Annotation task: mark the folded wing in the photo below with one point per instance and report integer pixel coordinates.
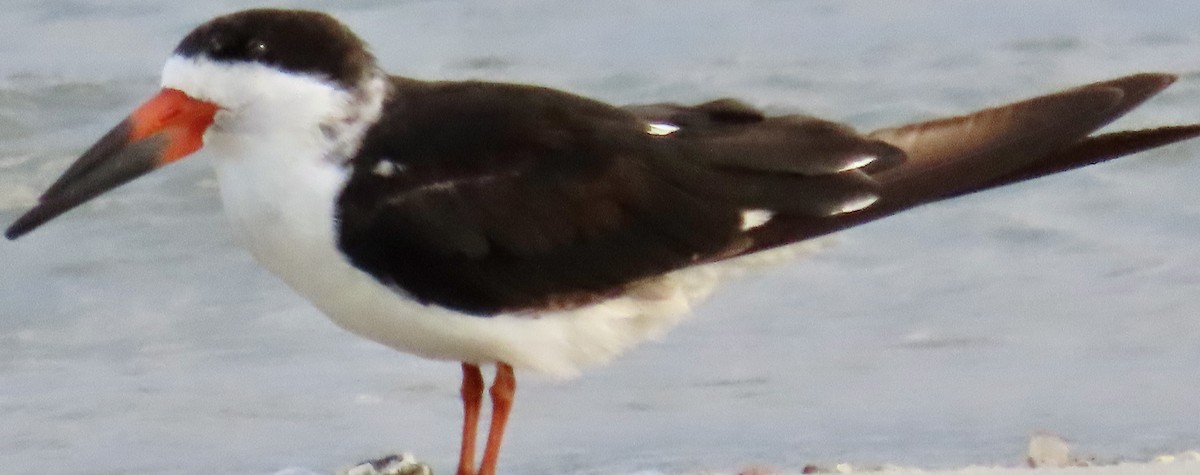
(488, 198)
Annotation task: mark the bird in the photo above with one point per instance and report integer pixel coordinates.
(530, 228)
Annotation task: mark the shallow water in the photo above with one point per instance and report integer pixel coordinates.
(136, 338)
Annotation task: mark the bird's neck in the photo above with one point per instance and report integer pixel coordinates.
(279, 185)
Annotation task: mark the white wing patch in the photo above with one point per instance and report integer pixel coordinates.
(859, 162)
(857, 204)
(753, 218)
(386, 168)
(661, 128)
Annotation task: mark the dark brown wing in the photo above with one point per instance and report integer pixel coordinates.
(487, 198)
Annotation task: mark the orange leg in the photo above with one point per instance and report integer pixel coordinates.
(502, 392)
(472, 396)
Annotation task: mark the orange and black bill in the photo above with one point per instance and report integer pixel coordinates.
(164, 129)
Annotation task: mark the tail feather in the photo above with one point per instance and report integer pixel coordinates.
(995, 147)
(950, 157)
(1093, 150)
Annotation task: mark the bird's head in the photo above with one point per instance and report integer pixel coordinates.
(253, 72)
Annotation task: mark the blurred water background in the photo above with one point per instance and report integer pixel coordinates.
(136, 338)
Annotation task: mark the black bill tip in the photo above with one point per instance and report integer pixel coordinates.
(122, 162)
(30, 221)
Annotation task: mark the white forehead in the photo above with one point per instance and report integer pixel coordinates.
(236, 85)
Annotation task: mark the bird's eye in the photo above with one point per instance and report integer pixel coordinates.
(257, 49)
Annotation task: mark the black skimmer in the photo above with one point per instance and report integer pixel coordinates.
(526, 227)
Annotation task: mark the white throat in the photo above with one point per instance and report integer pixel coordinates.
(280, 144)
